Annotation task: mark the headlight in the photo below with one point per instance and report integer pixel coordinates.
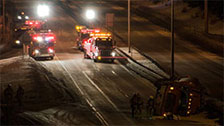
(39, 39)
(26, 17)
(17, 42)
(19, 17)
(36, 51)
(96, 53)
(113, 54)
(50, 50)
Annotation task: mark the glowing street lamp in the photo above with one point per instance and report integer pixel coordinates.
(90, 14)
(43, 10)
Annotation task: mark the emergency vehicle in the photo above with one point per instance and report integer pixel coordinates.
(35, 24)
(100, 47)
(84, 35)
(181, 97)
(42, 45)
(18, 37)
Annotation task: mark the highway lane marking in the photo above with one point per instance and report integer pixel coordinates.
(98, 114)
(108, 99)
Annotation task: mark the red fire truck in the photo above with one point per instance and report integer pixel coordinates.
(35, 24)
(100, 47)
(84, 35)
(42, 45)
(182, 97)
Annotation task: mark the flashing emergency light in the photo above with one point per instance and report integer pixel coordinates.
(101, 35)
(90, 30)
(39, 39)
(49, 38)
(79, 27)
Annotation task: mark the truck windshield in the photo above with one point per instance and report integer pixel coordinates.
(104, 43)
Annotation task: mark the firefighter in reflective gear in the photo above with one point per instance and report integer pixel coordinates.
(150, 107)
(8, 95)
(19, 95)
(139, 104)
(133, 103)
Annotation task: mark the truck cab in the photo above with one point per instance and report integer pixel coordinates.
(42, 45)
(100, 47)
(83, 36)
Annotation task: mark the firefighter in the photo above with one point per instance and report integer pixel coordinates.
(19, 95)
(8, 94)
(133, 103)
(8, 97)
(150, 107)
(139, 104)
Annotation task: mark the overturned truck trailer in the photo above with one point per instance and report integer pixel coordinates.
(180, 97)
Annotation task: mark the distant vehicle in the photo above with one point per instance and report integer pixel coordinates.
(181, 97)
(42, 45)
(83, 36)
(22, 17)
(16, 38)
(100, 47)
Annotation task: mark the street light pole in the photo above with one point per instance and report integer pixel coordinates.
(206, 15)
(3, 14)
(129, 26)
(172, 39)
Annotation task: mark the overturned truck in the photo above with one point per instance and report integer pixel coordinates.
(181, 97)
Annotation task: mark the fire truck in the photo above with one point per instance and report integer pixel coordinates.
(42, 45)
(35, 24)
(100, 47)
(84, 35)
(181, 97)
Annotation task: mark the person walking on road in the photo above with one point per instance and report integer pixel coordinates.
(133, 103)
(139, 104)
(150, 107)
(8, 98)
(8, 95)
(19, 95)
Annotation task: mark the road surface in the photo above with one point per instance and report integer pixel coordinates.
(106, 87)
